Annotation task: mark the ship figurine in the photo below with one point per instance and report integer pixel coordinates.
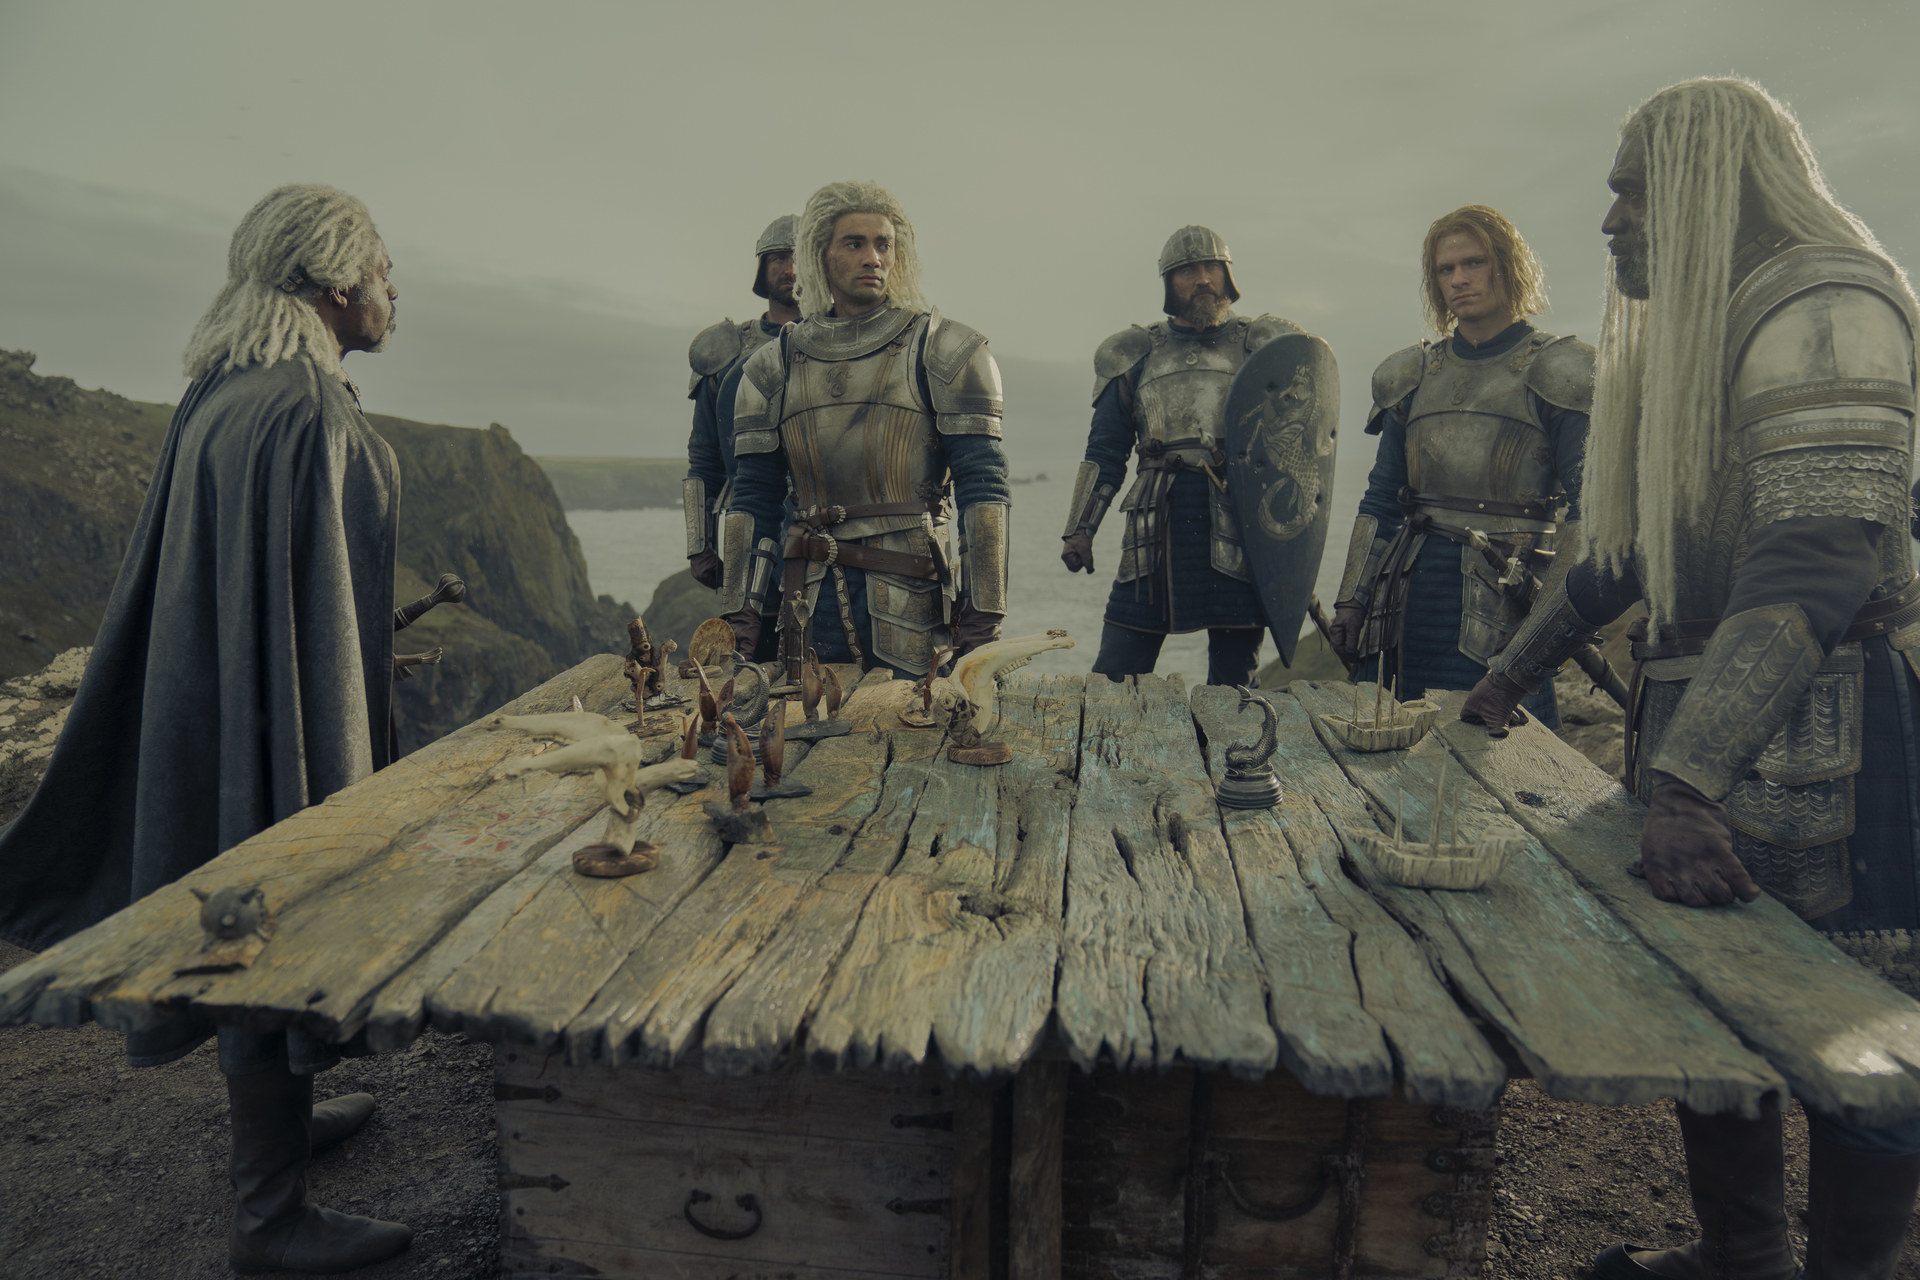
(1447, 860)
(1393, 726)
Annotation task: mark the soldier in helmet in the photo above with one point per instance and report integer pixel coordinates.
(1161, 390)
(1481, 431)
(878, 409)
(716, 356)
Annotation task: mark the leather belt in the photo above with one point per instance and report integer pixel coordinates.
(802, 546)
(1683, 639)
(1411, 501)
(822, 517)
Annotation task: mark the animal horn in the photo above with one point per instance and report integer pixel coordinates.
(830, 683)
(739, 763)
(773, 741)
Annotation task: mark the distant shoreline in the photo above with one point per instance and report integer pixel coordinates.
(615, 484)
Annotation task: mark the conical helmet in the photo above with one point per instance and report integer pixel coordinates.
(779, 237)
(1197, 244)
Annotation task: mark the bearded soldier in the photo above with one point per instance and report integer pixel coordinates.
(1752, 444)
(716, 356)
(243, 670)
(1160, 390)
(879, 409)
(1482, 431)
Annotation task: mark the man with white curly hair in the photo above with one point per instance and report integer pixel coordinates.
(1747, 474)
(242, 671)
(880, 410)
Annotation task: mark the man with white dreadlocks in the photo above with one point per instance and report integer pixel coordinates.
(1481, 432)
(877, 407)
(242, 672)
(716, 355)
(1160, 391)
(1747, 473)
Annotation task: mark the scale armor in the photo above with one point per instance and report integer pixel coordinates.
(1820, 422)
(1179, 416)
(1474, 434)
(860, 426)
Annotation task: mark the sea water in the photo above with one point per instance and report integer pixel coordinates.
(629, 552)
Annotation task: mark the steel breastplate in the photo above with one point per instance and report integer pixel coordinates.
(1180, 394)
(1472, 431)
(856, 429)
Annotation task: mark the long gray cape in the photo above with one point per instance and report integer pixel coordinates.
(244, 666)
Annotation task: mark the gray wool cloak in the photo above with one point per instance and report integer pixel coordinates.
(244, 666)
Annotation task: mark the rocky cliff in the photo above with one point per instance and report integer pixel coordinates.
(78, 463)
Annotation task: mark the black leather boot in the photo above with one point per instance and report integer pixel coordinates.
(274, 1228)
(1736, 1169)
(1858, 1207)
(337, 1119)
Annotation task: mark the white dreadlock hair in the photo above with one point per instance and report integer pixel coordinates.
(298, 242)
(816, 233)
(1662, 361)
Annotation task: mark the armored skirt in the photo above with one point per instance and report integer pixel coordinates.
(1428, 655)
(1186, 593)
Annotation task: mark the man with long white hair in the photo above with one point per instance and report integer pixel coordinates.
(242, 672)
(1747, 474)
(717, 353)
(1481, 432)
(879, 408)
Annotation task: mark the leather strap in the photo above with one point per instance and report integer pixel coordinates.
(1683, 639)
(1411, 501)
(803, 546)
(825, 517)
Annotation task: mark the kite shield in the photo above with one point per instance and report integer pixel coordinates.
(1281, 413)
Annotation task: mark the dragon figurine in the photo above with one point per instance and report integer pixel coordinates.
(966, 700)
(1250, 782)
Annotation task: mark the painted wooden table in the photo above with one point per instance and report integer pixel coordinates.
(1063, 1016)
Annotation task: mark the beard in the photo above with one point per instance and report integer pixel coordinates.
(1631, 275)
(380, 344)
(781, 294)
(1204, 309)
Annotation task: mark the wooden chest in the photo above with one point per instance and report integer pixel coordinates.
(1198, 1175)
(798, 1175)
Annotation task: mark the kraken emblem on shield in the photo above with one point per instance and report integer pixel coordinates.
(1283, 439)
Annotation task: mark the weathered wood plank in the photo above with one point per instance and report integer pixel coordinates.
(1156, 966)
(122, 968)
(1343, 978)
(655, 1004)
(940, 959)
(1595, 1016)
(1843, 1038)
(1034, 1219)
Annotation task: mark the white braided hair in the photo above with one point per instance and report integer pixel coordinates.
(1662, 360)
(298, 242)
(823, 210)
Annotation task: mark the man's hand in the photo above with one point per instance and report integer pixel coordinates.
(1494, 705)
(707, 569)
(1076, 552)
(746, 631)
(1344, 632)
(1686, 849)
(971, 629)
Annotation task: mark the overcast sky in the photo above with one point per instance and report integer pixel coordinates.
(569, 191)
